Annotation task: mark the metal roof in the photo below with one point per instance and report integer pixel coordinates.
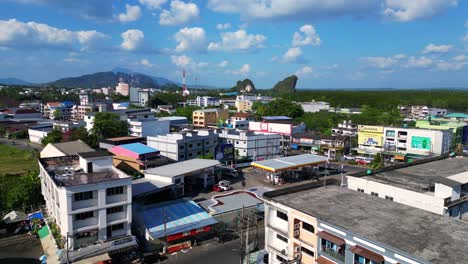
(182, 168)
(181, 216)
(143, 186)
(235, 201)
(279, 164)
(72, 147)
(138, 148)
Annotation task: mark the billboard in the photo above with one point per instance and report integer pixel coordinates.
(370, 139)
(421, 143)
(371, 129)
(224, 152)
(283, 129)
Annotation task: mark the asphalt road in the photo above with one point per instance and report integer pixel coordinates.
(21, 144)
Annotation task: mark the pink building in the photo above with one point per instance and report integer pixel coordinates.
(122, 88)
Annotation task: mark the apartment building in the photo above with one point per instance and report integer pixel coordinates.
(252, 145)
(240, 120)
(313, 223)
(122, 88)
(208, 117)
(346, 128)
(207, 101)
(440, 186)
(60, 110)
(124, 114)
(90, 201)
(244, 103)
(459, 129)
(314, 106)
(147, 125)
(423, 112)
(184, 145)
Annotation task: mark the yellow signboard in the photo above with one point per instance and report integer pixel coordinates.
(370, 139)
(372, 129)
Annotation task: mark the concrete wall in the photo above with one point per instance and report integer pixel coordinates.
(427, 202)
(51, 151)
(36, 136)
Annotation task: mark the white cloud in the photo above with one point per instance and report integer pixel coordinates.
(181, 61)
(460, 57)
(238, 40)
(451, 65)
(152, 4)
(202, 64)
(407, 10)
(356, 76)
(244, 70)
(190, 39)
(292, 55)
(132, 13)
(308, 37)
(432, 48)
(146, 63)
(304, 71)
(399, 56)
(299, 10)
(381, 62)
(223, 64)
(72, 60)
(179, 13)
(421, 62)
(14, 33)
(132, 39)
(223, 26)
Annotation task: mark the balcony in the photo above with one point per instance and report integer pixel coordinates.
(116, 216)
(84, 204)
(89, 222)
(334, 254)
(110, 199)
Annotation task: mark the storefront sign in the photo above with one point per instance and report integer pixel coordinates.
(421, 143)
(372, 129)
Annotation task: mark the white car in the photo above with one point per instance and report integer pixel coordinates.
(347, 157)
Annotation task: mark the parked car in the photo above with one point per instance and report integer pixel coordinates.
(364, 160)
(222, 186)
(227, 171)
(348, 157)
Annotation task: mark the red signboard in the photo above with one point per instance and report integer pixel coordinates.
(188, 233)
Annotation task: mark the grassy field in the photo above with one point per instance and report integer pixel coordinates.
(15, 161)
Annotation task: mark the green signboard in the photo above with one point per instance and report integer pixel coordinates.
(421, 143)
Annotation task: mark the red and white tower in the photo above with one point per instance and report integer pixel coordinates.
(185, 91)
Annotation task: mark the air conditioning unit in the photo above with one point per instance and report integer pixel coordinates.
(297, 226)
(296, 233)
(297, 249)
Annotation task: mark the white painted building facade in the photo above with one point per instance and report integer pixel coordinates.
(252, 145)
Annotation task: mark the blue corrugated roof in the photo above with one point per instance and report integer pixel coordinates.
(139, 148)
(181, 216)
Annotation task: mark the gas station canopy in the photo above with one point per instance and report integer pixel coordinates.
(287, 163)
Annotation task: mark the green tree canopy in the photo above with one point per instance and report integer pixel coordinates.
(186, 111)
(82, 134)
(108, 125)
(55, 136)
(279, 107)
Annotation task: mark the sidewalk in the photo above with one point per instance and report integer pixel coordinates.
(49, 246)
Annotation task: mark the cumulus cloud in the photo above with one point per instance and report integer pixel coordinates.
(190, 39)
(421, 62)
(181, 61)
(132, 13)
(404, 10)
(17, 34)
(384, 62)
(223, 26)
(238, 40)
(292, 55)
(133, 39)
(304, 71)
(146, 63)
(244, 70)
(451, 65)
(432, 48)
(179, 13)
(87, 9)
(223, 64)
(460, 57)
(152, 4)
(306, 36)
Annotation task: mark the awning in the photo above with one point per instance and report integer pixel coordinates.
(332, 238)
(358, 250)
(399, 157)
(322, 260)
(14, 216)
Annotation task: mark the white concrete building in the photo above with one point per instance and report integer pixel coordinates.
(143, 126)
(423, 142)
(439, 186)
(240, 121)
(252, 145)
(64, 149)
(125, 114)
(423, 112)
(313, 107)
(207, 101)
(122, 88)
(90, 201)
(244, 102)
(347, 128)
(37, 133)
(184, 145)
(143, 96)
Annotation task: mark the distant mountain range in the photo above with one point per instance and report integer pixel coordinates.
(104, 79)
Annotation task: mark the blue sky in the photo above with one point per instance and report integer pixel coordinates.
(328, 44)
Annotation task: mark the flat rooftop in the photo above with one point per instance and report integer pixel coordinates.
(182, 168)
(422, 234)
(66, 171)
(292, 162)
(422, 177)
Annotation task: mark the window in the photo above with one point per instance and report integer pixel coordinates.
(181, 156)
(117, 227)
(388, 198)
(190, 154)
(308, 227)
(279, 258)
(198, 144)
(114, 210)
(374, 194)
(199, 153)
(182, 147)
(84, 215)
(307, 251)
(237, 142)
(190, 145)
(360, 190)
(83, 196)
(282, 215)
(114, 190)
(282, 238)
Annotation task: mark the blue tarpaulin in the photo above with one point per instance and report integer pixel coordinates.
(36, 215)
(181, 216)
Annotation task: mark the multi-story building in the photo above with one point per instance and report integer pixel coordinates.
(320, 224)
(403, 141)
(66, 126)
(36, 105)
(143, 97)
(37, 133)
(440, 186)
(122, 88)
(333, 146)
(459, 129)
(347, 128)
(240, 120)
(124, 114)
(143, 126)
(313, 107)
(90, 201)
(185, 145)
(253, 145)
(244, 103)
(207, 101)
(423, 112)
(59, 110)
(209, 117)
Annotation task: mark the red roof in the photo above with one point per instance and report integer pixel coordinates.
(54, 104)
(241, 114)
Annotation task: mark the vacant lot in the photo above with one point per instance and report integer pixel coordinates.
(14, 161)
